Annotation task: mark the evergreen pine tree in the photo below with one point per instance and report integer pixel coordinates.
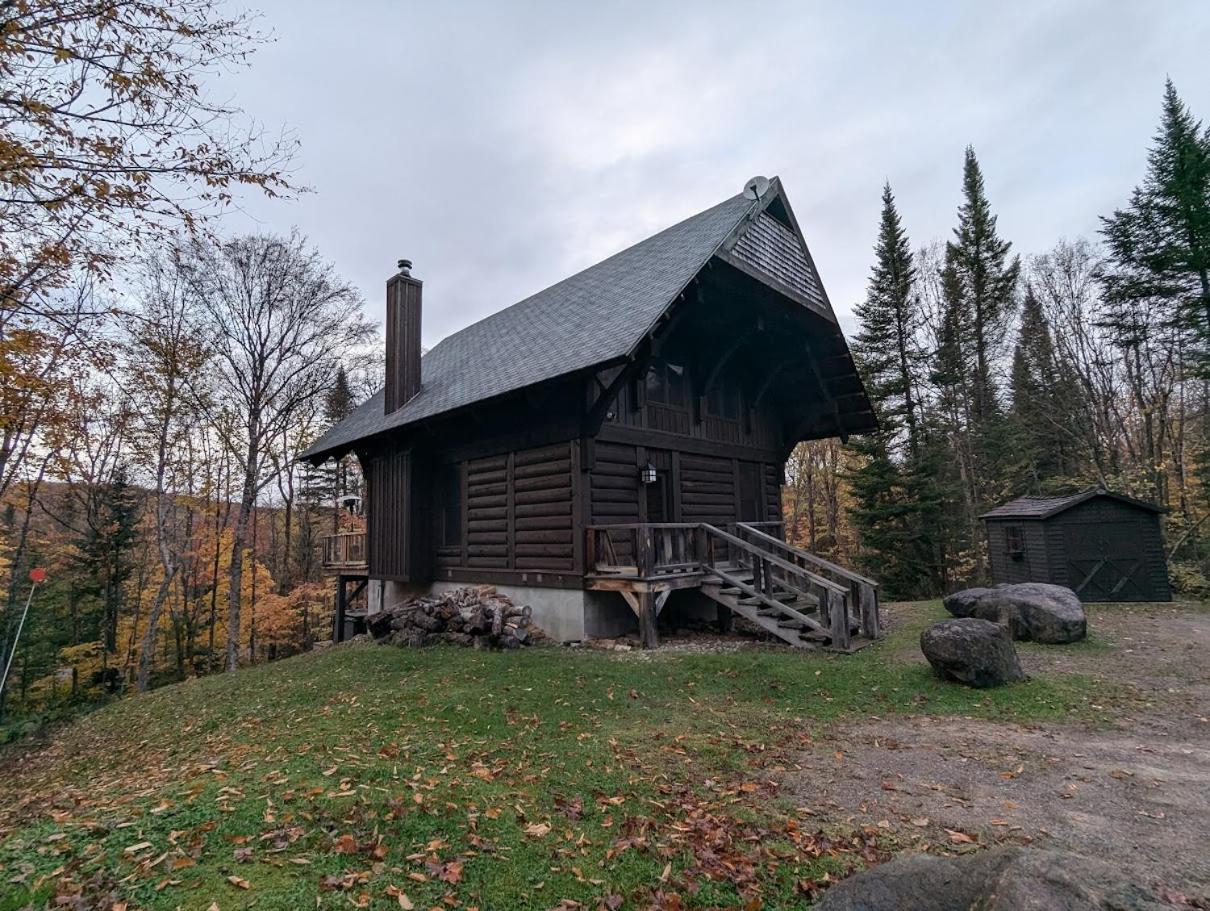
(888, 499)
(107, 549)
(1044, 406)
(981, 281)
(339, 403)
(1159, 244)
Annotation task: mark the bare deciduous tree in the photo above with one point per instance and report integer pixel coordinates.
(280, 320)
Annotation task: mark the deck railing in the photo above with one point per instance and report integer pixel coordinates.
(646, 550)
(345, 551)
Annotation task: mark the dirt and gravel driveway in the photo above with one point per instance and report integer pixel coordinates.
(1134, 790)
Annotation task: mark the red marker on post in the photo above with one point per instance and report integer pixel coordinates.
(37, 575)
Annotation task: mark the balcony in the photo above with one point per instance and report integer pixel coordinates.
(345, 553)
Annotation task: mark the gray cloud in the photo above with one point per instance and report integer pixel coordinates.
(504, 146)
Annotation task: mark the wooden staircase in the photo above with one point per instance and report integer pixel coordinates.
(783, 590)
(792, 594)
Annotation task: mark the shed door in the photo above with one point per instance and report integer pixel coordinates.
(1107, 561)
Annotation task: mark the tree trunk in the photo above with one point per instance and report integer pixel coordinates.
(239, 539)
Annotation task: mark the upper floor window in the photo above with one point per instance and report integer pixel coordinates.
(666, 384)
(722, 401)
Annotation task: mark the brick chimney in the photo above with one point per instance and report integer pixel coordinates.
(403, 337)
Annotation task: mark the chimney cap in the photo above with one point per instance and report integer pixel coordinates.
(405, 267)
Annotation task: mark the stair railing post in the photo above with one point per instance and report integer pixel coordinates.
(871, 626)
(839, 616)
(643, 550)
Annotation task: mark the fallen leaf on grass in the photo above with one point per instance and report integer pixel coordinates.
(239, 882)
(400, 896)
(960, 838)
(537, 829)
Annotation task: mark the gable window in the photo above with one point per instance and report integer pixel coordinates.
(722, 401)
(1014, 541)
(666, 384)
(449, 492)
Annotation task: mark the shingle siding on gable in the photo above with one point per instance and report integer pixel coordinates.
(774, 249)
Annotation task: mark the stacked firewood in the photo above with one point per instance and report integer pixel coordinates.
(476, 616)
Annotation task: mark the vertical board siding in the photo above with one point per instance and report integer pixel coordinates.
(387, 482)
(1064, 548)
(764, 431)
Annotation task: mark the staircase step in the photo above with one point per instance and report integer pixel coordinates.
(792, 624)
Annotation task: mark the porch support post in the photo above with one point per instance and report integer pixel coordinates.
(648, 635)
(338, 634)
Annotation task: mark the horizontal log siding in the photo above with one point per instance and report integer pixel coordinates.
(542, 484)
(614, 488)
(708, 490)
(485, 531)
(517, 512)
(772, 492)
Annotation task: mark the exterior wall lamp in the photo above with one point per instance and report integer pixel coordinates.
(647, 474)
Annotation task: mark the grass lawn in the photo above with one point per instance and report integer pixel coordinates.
(442, 778)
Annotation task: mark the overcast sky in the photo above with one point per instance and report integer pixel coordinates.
(503, 146)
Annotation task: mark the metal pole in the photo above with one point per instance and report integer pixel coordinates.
(17, 638)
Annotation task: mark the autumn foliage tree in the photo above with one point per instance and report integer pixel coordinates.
(109, 137)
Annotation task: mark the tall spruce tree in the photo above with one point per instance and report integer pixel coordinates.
(890, 491)
(1044, 406)
(982, 281)
(978, 282)
(1160, 243)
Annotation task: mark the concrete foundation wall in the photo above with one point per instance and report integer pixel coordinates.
(565, 615)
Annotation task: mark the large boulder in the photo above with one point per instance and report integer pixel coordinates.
(1002, 879)
(973, 651)
(1031, 610)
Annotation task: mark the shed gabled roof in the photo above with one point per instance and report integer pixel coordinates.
(1044, 507)
(594, 317)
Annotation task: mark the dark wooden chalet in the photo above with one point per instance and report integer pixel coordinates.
(618, 437)
(1101, 545)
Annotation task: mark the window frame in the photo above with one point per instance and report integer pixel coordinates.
(1014, 541)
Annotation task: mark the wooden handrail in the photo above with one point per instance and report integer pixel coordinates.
(807, 555)
(785, 565)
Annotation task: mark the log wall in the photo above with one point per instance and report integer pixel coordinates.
(518, 512)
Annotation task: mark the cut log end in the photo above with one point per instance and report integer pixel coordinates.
(475, 617)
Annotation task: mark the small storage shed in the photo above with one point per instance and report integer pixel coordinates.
(1104, 546)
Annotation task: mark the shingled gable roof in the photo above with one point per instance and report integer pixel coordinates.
(594, 317)
(1045, 507)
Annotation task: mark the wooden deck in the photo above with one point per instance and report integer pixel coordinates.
(748, 568)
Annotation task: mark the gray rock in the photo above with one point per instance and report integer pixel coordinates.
(1002, 879)
(973, 651)
(1031, 610)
